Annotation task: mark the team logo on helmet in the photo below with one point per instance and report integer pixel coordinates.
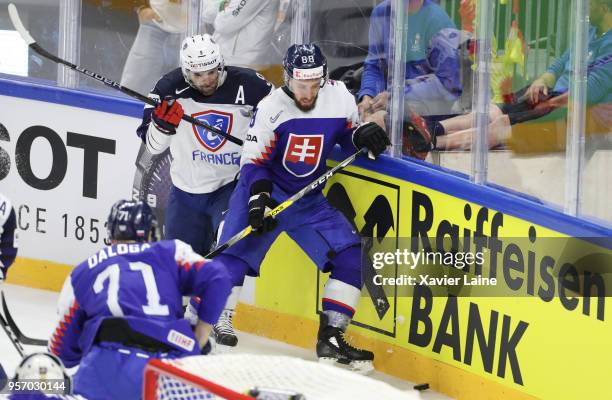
(218, 119)
(303, 154)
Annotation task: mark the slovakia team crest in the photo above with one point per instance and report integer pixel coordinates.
(218, 119)
(303, 154)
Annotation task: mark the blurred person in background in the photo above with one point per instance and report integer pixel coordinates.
(425, 20)
(243, 29)
(544, 102)
(155, 48)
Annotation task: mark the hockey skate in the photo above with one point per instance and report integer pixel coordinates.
(223, 332)
(334, 349)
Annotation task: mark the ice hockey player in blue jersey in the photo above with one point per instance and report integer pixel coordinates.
(204, 164)
(291, 136)
(123, 305)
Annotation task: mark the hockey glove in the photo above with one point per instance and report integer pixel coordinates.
(258, 205)
(372, 136)
(167, 115)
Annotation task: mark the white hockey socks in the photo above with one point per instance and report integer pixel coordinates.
(339, 302)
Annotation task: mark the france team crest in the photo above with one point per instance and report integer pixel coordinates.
(218, 119)
(302, 154)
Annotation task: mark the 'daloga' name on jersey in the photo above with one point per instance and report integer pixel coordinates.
(232, 158)
(111, 251)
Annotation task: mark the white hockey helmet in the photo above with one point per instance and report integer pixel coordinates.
(41, 366)
(200, 53)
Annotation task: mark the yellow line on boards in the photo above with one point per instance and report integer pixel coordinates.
(40, 274)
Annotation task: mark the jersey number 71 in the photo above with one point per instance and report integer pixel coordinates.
(111, 273)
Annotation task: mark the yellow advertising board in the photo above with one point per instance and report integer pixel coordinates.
(543, 331)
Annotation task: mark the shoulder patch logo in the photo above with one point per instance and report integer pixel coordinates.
(303, 154)
(218, 119)
(275, 118)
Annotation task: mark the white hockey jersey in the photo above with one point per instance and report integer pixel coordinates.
(203, 161)
(289, 146)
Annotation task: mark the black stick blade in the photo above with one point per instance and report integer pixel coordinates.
(13, 326)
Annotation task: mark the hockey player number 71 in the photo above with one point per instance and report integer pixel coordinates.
(111, 273)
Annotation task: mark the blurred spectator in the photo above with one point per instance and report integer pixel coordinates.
(548, 94)
(282, 13)
(425, 20)
(243, 29)
(602, 114)
(155, 48)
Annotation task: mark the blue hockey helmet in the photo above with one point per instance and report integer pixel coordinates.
(305, 61)
(131, 221)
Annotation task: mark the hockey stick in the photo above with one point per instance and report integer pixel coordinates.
(25, 35)
(11, 335)
(21, 338)
(285, 204)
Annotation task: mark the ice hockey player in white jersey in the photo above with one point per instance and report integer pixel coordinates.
(292, 134)
(204, 164)
(8, 235)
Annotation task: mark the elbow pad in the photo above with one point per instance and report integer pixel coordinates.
(157, 141)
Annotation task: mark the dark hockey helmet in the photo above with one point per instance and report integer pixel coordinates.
(131, 221)
(305, 61)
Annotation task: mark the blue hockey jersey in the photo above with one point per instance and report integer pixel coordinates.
(290, 146)
(144, 283)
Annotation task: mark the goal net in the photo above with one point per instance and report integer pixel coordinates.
(251, 376)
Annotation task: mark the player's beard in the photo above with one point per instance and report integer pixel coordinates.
(306, 107)
(207, 90)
